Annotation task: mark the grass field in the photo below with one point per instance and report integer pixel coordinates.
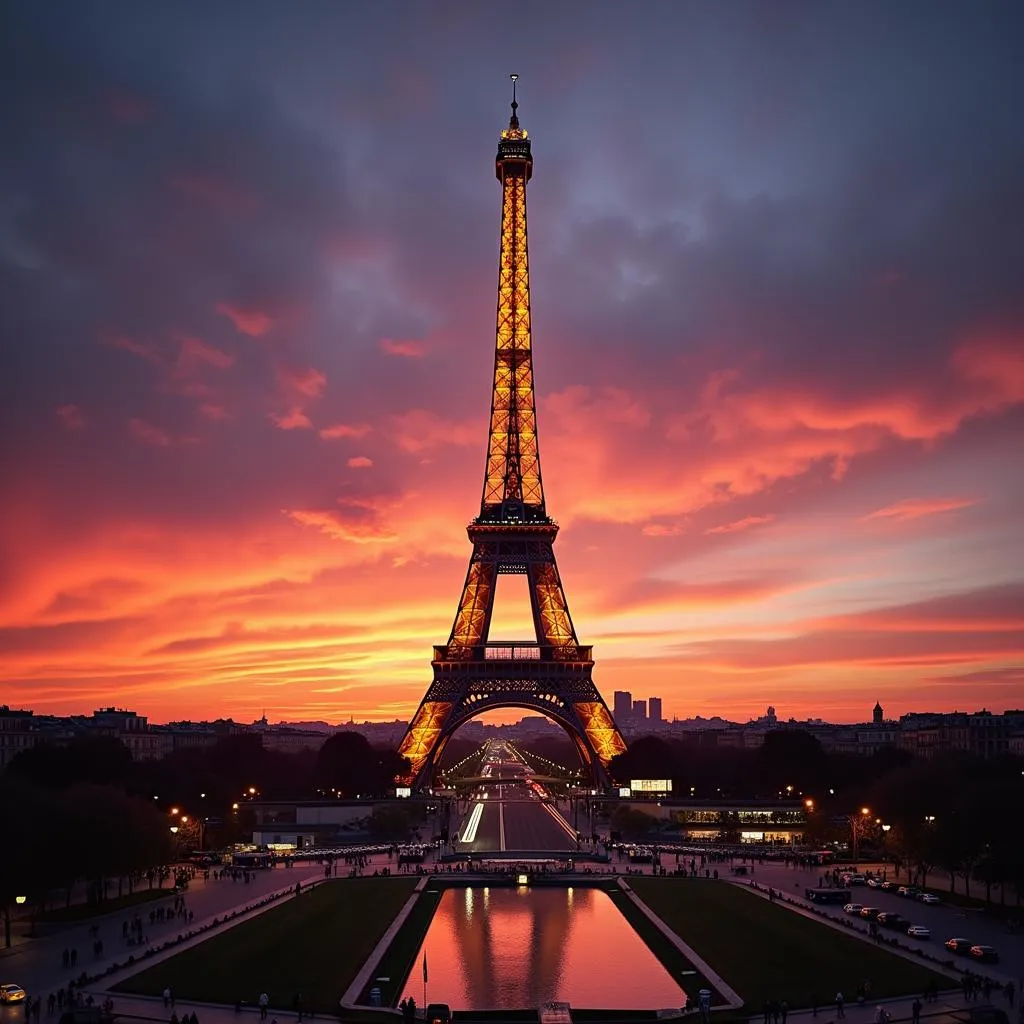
(765, 951)
(314, 945)
(397, 961)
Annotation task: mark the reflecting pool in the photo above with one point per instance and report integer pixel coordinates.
(500, 948)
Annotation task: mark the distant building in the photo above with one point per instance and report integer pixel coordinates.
(639, 711)
(877, 715)
(622, 707)
(17, 733)
(654, 710)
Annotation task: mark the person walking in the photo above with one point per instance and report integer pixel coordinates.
(915, 1011)
(167, 996)
(264, 1001)
(840, 1010)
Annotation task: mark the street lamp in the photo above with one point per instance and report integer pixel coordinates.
(20, 899)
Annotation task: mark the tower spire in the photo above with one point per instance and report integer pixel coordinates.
(513, 121)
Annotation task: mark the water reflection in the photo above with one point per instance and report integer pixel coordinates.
(518, 948)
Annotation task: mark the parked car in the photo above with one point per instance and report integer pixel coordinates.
(908, 891)
(887, 886)
(870, 913)
(853, 908)
(918, 931)
(961, 946)
(10, 993)
(929, 897)
(874, 883)
(986, 954)
(439, 1013)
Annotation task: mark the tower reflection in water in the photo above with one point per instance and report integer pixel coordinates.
(498, 948)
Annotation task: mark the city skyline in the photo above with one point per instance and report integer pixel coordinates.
(779, 342)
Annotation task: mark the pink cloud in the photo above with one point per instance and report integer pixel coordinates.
(741, 524)
(410, 348)
(421, 429)
(662, 529)
(194, 352)
(339, 430)
(72, 417)
(294, 419)
(137, 348)
(359, 462)
(309, 382)
(338, 528)
(148, 433)
(126, 108)
(247, 321)
(916, 508)
(213, 192)
(214, 412)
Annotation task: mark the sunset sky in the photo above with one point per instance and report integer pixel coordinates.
(248, 265)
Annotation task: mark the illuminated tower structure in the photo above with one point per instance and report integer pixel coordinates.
(551, 674)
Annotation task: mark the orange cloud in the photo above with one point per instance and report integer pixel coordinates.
(339, 430)
(359, 462)
(294, 419)
(916, 508)
(247, 321)
(71, 416)
(741, 524)
(410, 349)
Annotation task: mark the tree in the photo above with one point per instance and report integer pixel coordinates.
(348, 765)
(789, 758)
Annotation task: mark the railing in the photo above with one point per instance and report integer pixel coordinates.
(512, 650)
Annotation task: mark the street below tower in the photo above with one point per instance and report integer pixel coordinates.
(513, 812)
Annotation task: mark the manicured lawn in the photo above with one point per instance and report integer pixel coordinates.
(765, 951)
(314, 945)
(397, 961)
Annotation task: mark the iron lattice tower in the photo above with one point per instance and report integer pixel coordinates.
(513, 534)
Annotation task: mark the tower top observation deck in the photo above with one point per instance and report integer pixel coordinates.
(514, 156)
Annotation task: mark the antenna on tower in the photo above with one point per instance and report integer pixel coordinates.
(513, 121)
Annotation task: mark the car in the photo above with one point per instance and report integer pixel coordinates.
(961, 946)
(891, 920)
(929, 897)
(887, 886)
(10, 993)
(870, 912)
(918, 931)
(986, 954)
(908, 891)
(438, 1013)
(874, 883)
(853, 908)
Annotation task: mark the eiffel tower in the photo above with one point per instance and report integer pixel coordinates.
(513, 534)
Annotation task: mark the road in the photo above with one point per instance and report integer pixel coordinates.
(512, 814)
(944, 920)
